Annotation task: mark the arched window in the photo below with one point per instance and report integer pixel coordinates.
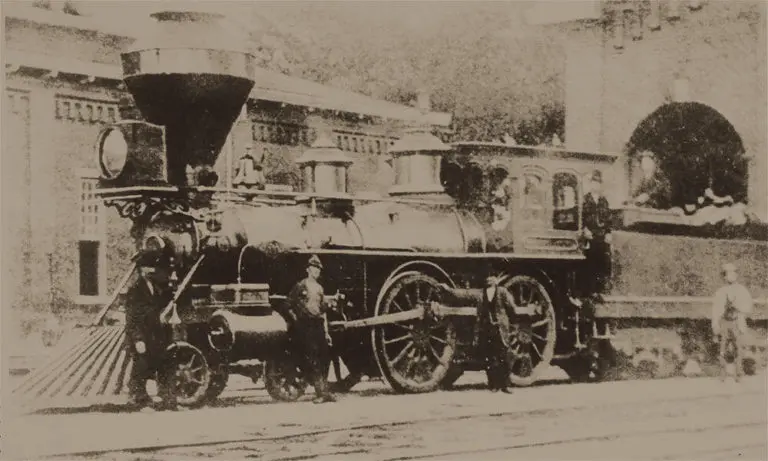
(565, 201)
(533, 191)
(534, 197)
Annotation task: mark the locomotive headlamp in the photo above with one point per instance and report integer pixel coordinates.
(113, 153)
(132, 153)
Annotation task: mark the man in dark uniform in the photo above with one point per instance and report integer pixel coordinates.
(146, 338)
(495, 308)
(308, 334)
(597, 232)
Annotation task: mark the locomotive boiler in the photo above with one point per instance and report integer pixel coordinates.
(453, 214)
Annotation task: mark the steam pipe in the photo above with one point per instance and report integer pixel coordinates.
(240, 263)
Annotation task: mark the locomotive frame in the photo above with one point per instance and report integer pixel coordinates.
(439, 337)
(433, 347)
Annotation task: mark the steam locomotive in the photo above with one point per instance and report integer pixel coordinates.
(453, 214)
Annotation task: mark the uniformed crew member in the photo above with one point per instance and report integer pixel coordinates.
(147, 338)
(495, 311)
(731, 305)
(654, 189)
(597, 231)
(308, 333)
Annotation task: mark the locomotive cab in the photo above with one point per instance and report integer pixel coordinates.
(528, 198)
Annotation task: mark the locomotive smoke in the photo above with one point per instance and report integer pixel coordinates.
(191, 76)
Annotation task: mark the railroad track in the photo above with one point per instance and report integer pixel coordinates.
(614, 436)
(528, 443)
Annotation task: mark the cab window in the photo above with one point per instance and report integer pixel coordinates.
(565, 201)
(534, 198)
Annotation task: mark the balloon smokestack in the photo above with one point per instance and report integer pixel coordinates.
(191, 76)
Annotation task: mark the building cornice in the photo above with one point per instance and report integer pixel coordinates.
(270, 85)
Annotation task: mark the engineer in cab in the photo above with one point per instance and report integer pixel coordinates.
(597, 233)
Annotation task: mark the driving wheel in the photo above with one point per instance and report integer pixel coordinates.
(413, 355)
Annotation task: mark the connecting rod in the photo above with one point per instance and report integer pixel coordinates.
(435, 310)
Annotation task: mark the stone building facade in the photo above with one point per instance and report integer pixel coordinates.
(62, 249)
(625, 59)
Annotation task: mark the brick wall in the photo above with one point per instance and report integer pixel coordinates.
(15, 198)
(720, 50)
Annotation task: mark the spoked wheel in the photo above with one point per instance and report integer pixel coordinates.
(283, 380)
(531, 341)
(188, 374)
(413, 355)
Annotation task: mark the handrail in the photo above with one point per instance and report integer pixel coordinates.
(424, 254)
(297, 196)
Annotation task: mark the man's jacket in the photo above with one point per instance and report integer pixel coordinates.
(597, 215)
(306, 300)
(500, 310)
(142, 315)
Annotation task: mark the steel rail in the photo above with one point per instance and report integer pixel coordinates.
(568, 441)
(360, 427)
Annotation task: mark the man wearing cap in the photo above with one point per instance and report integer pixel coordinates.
(654, 189)
(146, 337)
(731, 305)
(495, 312)
(307, 307)
(597, 232)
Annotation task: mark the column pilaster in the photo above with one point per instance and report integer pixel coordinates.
(43, 199)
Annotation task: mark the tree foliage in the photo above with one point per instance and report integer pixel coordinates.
(475, 59)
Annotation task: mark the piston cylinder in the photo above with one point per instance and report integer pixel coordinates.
(243, 337)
